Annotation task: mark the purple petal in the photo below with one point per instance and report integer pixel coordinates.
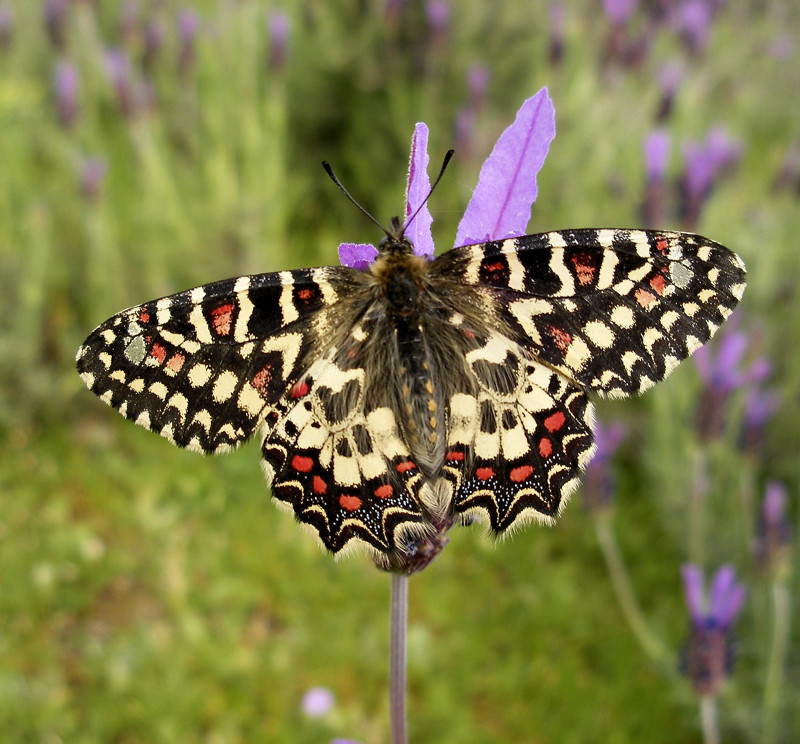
(774, 505)
(317, 702)
(418, 231)
(723, 583)
(357, 255)
(656, 153)
(608, 439)
(500, 206)
(693, 589)
(619, 11)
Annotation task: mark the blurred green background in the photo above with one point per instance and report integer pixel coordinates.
(150, 595)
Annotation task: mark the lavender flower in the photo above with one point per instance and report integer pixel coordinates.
(704, 163)
(720, 369)
(317, 702)
(500, 206)
(556, 17)
(656, 155)
(120, 74)
(691, 20)
(6, 25)
(278, 26)
(188, 26)
(155, 33)
(774, 533)
(600, 480)
(709, 655)
(92, 173)
(669, 78)
(759, 406)
(129, 24)
(619, 12)
(65, 87)
(55, 21)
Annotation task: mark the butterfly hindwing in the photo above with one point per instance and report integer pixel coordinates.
(334, 453)
(203, 366)
(615, 310)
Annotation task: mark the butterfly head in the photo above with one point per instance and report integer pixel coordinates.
(395, 241)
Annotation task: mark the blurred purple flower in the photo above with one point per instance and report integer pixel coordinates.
(759, 406)
(6, 25)
(478, 76)
(129, 25)
(708, 655)
(465, 132)
(120, 74)
(556, 19)
(656, 154)
(344, 741)
(438, 14)
(65, 87)
(691, 20)
(703, 165)
(55, 21)
(774, 531)
(619, 11)
(188, 24)
(92, 173)
(155, 33)
(600, 481)
(788, 177)
(669, 78)
(720, 368)
(279, 27)
(317, 702)
(500, 206)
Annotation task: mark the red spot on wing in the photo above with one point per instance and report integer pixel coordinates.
(262, 379)
(661, 244)
(454, 456)
(299, 389)
(484, 473)
(302, 464)
(657, 283)
(319, 485)
(560, 337)
(349, 502)
(221, 319)
(521, 473)
(176, 362)
(645, 298)
(384, 491)
(405, 466)
(545, 447)
(158, 352)
(144, 316)
(305, 294)
(469, 333)
(585, 268)
(554, 421)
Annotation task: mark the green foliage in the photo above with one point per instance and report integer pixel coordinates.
(151, 596)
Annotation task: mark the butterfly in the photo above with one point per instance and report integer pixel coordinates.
(398, 400)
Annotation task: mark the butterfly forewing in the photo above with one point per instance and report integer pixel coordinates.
(202, 367)
(615, 310)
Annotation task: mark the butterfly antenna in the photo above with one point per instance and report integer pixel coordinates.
(448, 155)
(327, 166)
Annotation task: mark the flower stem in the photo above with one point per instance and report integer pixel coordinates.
(397, 658)
(624, 591)
(781, 609)
(708, 718)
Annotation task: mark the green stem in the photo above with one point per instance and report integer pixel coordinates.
(397, 658)
(624, 590)
(781, 611)
(708, 718)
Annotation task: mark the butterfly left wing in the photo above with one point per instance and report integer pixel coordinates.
(202, 367)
